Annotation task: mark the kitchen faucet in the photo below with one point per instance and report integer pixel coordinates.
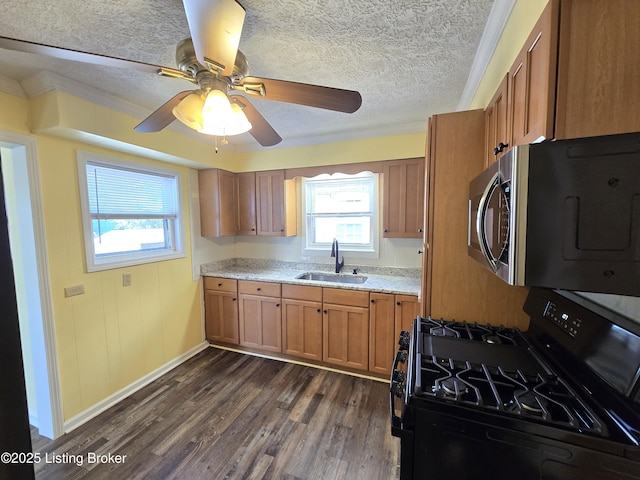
(334, 253)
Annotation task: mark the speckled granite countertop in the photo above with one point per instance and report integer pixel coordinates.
(402, 281)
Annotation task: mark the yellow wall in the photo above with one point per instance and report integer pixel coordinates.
(112, 335)
(523, 17)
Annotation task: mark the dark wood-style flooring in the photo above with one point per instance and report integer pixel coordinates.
(225, 415)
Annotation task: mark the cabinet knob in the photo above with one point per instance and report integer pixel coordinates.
(277, 304)
(253, 229)
(398, 303)
(258, 289)
(373, 301)
(233, 299)
(219, 284)
(500, 148)
(318, 310)
(420, 230)
(325, 311)
(420, 252)
(386, 230)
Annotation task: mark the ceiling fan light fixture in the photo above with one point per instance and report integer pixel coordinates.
(221, 118)
(189, 110)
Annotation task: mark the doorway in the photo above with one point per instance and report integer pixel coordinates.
(29, 257)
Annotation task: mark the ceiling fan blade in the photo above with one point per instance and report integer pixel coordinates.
(216, 26)
(80, 56)
(260, 128)
(347, 101)
(162, 117)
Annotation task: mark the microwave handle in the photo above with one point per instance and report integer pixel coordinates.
(481, 229)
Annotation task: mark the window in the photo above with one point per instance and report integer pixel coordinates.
(130, 212)
(343, 207)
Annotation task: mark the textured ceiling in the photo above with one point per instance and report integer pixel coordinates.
(409, 59)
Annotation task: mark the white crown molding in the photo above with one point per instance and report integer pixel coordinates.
(9, 85)
(498, 17)
(45, 81)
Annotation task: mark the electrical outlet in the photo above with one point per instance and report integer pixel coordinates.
(73, 291)
(126, 279)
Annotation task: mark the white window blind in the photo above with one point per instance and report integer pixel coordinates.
(121, 193)
(131, 212)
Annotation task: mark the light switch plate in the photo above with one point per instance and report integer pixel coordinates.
(126, 279)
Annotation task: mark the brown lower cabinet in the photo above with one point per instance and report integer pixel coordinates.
(260, 315)
(389, 314)
(221, 310)
(346, 328)
(351, 329)
(302, 321)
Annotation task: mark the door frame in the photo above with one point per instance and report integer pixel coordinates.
(49, 401)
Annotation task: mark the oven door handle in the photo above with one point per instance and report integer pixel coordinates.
(481, 226)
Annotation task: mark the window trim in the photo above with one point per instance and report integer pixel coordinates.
(358, 252)
(94, 264)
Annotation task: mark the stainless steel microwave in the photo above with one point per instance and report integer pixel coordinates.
(561, 214)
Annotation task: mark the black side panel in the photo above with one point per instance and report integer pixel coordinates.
(583, 215)
(14, 419)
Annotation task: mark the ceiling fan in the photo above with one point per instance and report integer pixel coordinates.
(210, 59)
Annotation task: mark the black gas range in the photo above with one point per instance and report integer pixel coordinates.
(560, 401)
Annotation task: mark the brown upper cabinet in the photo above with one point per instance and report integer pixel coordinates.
(576, 75)
(246, 203)
(496, 119)
(252, 203)
(403, 198)
(217, 203)
(275, 204)
(532, 81)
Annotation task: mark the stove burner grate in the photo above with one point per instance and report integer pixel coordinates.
(541, 397)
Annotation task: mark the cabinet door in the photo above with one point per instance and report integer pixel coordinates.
(221, 317)
(598, 68)
(270, 196)
(496, 119)
(246, 203)
(381, 332)
(532, 81)
(346, 336)
(403, 199)
(406, 311)
(260, 323)
(217, 193)
(302, 328)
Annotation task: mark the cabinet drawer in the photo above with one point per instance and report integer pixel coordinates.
(342, 296)
(264, 289)
(302, 292)
(220, 284)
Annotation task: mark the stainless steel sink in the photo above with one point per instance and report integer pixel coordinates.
(332, 277)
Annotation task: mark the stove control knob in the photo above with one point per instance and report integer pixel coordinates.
(397, 390)
(404, 340)
(402, 357)
(399, 376)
